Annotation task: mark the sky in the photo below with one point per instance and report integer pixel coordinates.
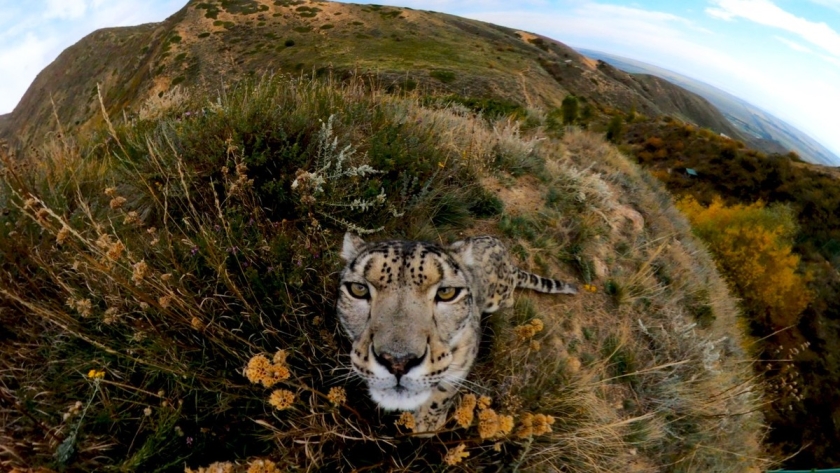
(780, 55)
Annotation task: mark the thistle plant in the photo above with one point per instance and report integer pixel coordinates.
(67, 448)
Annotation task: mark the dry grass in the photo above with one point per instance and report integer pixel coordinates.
(178, 250)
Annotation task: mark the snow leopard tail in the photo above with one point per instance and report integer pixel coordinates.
(538, 283)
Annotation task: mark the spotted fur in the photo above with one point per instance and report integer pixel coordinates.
(413, 343)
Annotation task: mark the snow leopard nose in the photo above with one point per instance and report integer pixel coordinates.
(398, 365)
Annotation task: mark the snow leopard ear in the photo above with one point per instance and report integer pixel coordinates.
(463, 250)
(352, 246)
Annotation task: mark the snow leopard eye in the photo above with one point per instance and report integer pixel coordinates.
(446, 294)
(359, 291)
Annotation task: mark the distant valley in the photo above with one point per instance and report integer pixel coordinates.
(760, 129)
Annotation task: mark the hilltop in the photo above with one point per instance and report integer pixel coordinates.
(210, 43)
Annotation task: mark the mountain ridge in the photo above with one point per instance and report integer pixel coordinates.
(211, 43)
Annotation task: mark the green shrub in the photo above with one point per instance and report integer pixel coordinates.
(391, 14)
(444, 76)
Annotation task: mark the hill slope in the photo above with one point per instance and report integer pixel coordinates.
(208, 43)
(143, 271)
(762, 130)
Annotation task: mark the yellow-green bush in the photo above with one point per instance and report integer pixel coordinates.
(752, 245)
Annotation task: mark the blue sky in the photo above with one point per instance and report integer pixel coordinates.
(782, 55)
(34, 32)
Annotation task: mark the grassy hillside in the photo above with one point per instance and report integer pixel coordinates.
(144, 266)
(801, 344)
(212, 42)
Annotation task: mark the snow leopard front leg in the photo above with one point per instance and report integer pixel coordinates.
(432, 415)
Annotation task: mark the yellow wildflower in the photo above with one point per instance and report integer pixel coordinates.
(63, 235)
(534, 424)
(491, 424)
(505, 425)
(407, 420)
(131, 218)
(280, 357)
(115, 251)
(524, 332)
(456, 455)
(263, 466)
(464, 413)
(104, 241)
(196, 323)
(337, 395)
(110, 315)
(488, 423)
(165, 277)
(261, 370)
(257, 369)
(542, 424)
(526, 426)
(96, 374)
(165, 301)
(281, 399)
(278, 373)
(141, 270)
(111, 191)
(84, 307)
(117, 202)
(217, 467)
(42, 214)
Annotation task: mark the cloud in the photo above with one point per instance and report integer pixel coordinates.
(660, 38)
(833, 4)
(720, 14)
(19, 64)
(766, 13)
(31, 38)
(68, 9)
(794, 45)
(831, 59)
